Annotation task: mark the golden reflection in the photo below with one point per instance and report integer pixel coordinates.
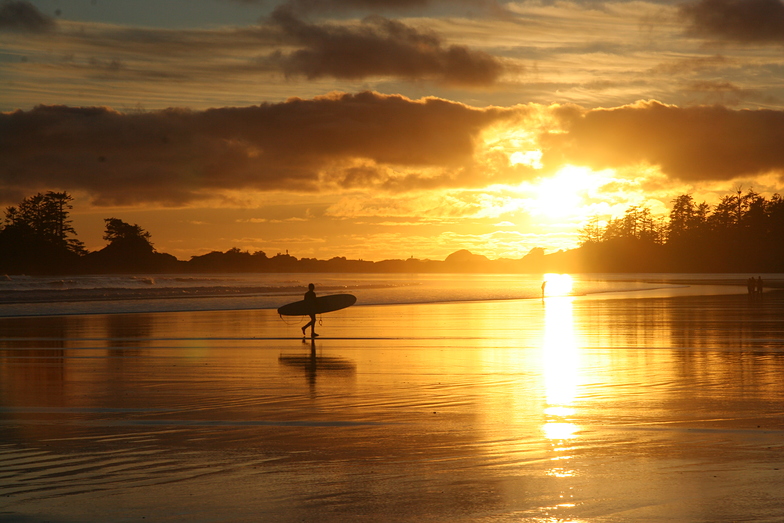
(559, 411)
(561, 357)
(559, 431)
(561, 367)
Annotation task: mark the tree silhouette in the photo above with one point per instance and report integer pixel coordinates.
(129, 250)
(46, 216)
(36, 236)
(122, 235)
(591, 232)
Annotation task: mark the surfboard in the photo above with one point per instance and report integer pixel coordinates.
(332, 302)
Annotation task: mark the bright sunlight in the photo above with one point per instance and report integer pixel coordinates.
(557, 284)
(563, 194)
(561, 365)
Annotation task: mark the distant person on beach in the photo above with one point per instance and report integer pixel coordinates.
(751, 284)
(310, 298)
(760, 285)
(544, 284)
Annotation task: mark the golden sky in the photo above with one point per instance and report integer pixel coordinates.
(380, 129)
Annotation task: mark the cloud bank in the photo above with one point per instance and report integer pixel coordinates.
(364, 141)
(175, 156)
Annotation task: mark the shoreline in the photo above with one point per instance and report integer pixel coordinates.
(248, 292)
(666, 294)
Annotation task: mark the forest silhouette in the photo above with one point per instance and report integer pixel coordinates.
(742, 233)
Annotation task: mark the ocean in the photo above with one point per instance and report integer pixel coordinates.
(40, 296)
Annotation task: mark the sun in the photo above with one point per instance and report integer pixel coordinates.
(563, 195)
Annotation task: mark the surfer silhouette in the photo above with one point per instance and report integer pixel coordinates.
(310, 299)
(313, 305)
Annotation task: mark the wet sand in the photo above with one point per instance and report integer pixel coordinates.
(595, 410)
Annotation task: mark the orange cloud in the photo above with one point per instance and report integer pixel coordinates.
(691, 143)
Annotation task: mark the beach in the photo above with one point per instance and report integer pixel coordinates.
(563, 409)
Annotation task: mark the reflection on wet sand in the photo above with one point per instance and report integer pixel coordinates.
(561, 353)
(559, 409)
(313, 364)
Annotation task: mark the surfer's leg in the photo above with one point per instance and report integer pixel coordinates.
(310, 324)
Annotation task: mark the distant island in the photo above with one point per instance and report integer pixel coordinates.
(742, 233)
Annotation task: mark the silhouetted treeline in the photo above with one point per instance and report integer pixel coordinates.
(742, 233)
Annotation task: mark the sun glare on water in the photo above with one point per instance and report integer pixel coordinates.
(557, 284)
(561, 363)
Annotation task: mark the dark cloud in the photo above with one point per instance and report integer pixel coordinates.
(376, 6)
(379, 47)
(176, 155)
(692, 143)
(746, 21)
(331, 5)
(20, 15)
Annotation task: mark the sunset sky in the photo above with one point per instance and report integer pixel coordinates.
(381, 129)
